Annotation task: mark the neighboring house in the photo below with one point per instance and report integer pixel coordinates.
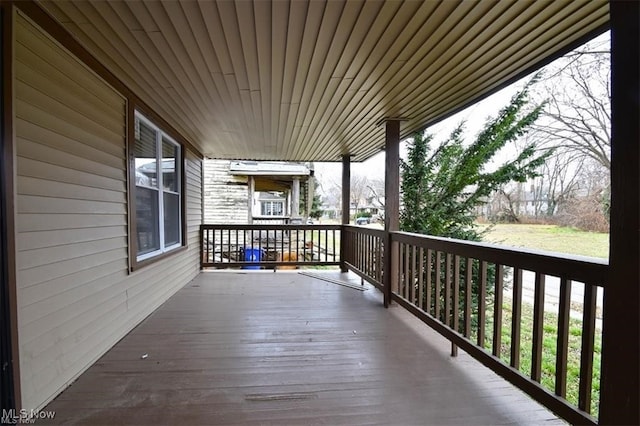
(248, 191)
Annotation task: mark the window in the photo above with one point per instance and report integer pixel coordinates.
(272, 208)
(158, 198)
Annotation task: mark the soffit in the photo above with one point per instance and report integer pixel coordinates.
(309, 80)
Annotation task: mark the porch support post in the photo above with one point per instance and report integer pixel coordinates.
(620, 372)
(391, 207)
(10, 377)
(251, 183)
(295, 198)
(346, 206)
(311, 187)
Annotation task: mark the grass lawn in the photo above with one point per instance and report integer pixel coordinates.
(551, 238)
(549, 350)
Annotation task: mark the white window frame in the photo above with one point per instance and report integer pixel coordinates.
(263, 204)
(160, 135)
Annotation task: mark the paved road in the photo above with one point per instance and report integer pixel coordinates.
(552, 295)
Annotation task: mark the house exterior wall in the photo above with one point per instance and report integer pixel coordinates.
(225, 195)
(76, 296)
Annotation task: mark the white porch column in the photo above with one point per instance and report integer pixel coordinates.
(295, 198)
(251, 183)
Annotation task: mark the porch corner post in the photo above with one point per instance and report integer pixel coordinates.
(619, 385)
(346, 207)
(391, 207)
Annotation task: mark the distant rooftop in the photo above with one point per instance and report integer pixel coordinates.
(268, 168)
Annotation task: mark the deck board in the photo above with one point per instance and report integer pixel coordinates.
(286, 349)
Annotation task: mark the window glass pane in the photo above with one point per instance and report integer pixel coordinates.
(148, 232)
(171, 219)
(277, 208)
(144, 150)
(169, 173)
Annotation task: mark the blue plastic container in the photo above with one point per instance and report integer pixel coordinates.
(252, 255)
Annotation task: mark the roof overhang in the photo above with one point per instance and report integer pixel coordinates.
(308, 80)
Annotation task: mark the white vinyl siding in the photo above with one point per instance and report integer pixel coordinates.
(76, 298)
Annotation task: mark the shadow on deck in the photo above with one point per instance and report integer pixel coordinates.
(283, 348)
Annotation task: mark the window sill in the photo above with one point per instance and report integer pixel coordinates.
(136, 265)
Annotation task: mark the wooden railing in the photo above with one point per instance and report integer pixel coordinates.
(364, 252)
(258, 246)
(510, 309)
(462, 290)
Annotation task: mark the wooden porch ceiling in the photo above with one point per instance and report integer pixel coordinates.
(308, 80)
(285, 349)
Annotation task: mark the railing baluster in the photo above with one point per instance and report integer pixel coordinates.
(412, 292)
(437, 285)
(447, 289)
(586, 350)
(562, 347)
(516, 316)
(407, 256)
(468, 292)
(482, 303)
(427, 290)
(497, 310)
(538, 328)
(456, 301)
(421, 278)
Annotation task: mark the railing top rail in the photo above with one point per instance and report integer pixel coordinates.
(267, 226)
(364, 230)
(579, 268)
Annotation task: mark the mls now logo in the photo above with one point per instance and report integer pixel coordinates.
(17, 417)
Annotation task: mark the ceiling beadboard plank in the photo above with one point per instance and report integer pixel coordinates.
(298, 12)
(531, 40)
(247, 20)
(474, 52)
(279, 33)
(233, 107)
(174, 52)
(356, 109)
(442, 23)
(313, 22)
(264, 34)
(404, 18)
(148, 76)
(218, 92)
(309, 80)
(231, 27)
(104, 48)
(321, 54)
(325, 88)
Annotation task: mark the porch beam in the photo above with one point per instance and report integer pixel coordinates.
(391, 206)
(620, 372)
(346, 206)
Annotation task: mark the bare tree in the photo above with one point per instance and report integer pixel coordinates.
(578, 112)
(359, 189)
(559, 180)
(376, 191)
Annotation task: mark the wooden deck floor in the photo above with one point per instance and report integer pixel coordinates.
(283, 348)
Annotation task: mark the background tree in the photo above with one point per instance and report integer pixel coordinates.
(441, 187)
(359, 190)
(577, 124)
